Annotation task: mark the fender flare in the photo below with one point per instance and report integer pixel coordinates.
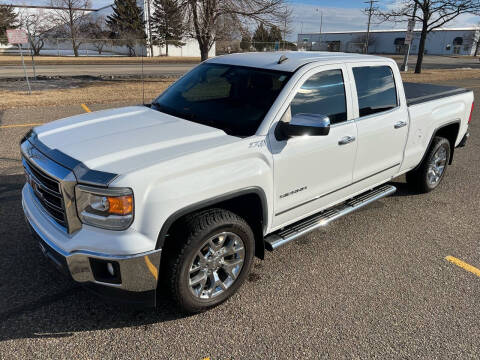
(210, 202)
(431, 140)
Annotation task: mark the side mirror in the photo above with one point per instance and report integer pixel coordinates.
(303, 124)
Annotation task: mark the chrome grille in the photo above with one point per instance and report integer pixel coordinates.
(47, 190)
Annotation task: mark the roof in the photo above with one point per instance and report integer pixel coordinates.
(472, 28)
(295, 59)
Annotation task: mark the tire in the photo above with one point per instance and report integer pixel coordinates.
(221, 235)
(431, 171)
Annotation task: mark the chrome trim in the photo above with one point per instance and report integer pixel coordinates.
(400, 124)
(283, 237)
(138, 272)
(346, 140)
(65, 178)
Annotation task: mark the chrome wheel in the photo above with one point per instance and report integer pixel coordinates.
(216, 266)
(437, 166)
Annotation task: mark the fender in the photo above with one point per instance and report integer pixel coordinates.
(431, 139)
(209, 203)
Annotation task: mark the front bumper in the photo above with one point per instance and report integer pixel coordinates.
(134, 278)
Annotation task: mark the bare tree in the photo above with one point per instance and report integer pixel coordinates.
(37, 26)
(71, 19)
(205, 14)
(285, 22)
(432, 14)
(97, 31)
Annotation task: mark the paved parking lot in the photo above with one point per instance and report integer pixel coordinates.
(373, 284)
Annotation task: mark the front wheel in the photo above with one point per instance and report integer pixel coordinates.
(431, 171)
(212, 259)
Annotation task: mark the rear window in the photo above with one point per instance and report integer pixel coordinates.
(375, 89)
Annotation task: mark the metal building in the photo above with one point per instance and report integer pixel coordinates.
(444, 41)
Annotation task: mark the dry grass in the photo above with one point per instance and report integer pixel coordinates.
(98, 60)
(441, 75)
(119, 91)
(97, 93)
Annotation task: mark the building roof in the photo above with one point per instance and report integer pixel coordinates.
(295, 59)
(472, 28)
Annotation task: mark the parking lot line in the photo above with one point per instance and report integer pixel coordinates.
(85, 107)
(463, 265)
(18, 125)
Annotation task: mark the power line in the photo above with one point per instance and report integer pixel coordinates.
(48, 7)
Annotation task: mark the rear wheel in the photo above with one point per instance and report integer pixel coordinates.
(432, 169)
(212, 259)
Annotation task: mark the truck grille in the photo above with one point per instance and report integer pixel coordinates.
(47, 190)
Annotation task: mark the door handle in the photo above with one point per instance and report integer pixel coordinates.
(346, 140)
(400, 124)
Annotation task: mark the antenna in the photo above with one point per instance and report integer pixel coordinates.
(282, 59)
(143, 80)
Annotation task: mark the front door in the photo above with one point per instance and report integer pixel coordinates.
(309, 170)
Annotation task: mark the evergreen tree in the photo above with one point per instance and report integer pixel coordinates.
(245, 43)
(260, 38)
(127, 24)
(8, 19)
(274, 34)
(168, 23)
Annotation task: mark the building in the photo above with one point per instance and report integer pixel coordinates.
(454, 41)
(62, 47)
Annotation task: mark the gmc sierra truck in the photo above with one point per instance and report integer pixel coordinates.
(244, 153)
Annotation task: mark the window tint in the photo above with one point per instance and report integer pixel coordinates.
(232, 98)
(323, 93)
(375, 89)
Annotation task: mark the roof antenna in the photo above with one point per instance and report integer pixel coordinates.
(282, 59)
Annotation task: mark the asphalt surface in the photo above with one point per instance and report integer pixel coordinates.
(373, 284)
(430, 62)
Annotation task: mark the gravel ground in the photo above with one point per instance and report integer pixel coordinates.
(374, 284)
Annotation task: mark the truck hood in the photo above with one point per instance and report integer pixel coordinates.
(125, 139)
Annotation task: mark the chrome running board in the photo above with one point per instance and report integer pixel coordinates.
(291, 232)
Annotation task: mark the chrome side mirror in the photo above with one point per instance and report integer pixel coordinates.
(303, 124)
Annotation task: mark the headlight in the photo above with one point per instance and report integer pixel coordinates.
(105, 208)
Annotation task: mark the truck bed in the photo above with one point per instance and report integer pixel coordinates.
(417, 93)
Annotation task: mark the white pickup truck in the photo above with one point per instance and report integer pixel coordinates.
(245, 152)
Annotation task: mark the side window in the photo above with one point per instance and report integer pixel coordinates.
(323, 93)
(375, 89)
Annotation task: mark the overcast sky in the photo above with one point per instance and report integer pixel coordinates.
(338, 15)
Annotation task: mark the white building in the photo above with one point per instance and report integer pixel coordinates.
(63, 46)
(453, 41)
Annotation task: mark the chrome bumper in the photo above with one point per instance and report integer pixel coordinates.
(136, 273)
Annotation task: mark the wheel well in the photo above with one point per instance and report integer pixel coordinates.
(249, 206)
(449, 132)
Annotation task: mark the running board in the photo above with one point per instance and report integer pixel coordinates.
(323, 218)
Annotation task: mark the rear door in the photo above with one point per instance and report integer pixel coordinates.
(382, 122)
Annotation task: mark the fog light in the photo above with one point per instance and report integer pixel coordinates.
(110, 269)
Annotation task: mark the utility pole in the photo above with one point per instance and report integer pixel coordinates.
(321, 25)
(404, 66)
(370, 12)
(149, 28)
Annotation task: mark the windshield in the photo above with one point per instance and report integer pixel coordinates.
(232, 98)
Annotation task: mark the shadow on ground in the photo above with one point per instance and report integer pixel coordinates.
(29, 283)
